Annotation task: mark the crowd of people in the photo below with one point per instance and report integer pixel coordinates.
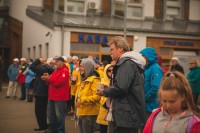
(131, 94)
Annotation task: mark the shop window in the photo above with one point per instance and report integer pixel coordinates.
(85, 47)
(173, 9)
(166, 51)
(80, 56)
(105, 49)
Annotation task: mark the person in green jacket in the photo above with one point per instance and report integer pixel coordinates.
(194, 78)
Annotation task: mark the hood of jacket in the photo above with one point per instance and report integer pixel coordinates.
(89, 67)
(150, 54)
(136, 57)
(106, 80)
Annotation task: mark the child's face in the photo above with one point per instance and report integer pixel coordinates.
(172, 101)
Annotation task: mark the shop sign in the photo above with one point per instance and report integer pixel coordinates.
(93, 39)
(175, 43)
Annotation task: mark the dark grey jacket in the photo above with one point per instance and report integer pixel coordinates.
(127, 93)
(40, 86)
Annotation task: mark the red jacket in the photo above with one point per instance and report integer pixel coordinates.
(59, 85)
(193, 123)
(21, 77)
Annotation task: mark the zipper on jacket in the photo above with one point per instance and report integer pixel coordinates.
(167, 124)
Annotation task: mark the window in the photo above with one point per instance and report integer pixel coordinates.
(40, 50)
(85, 47)
(77, 7)
(166, 51)
(34, 52)
(61, 5)
(135, 9)
(29, 52)
(135, 1)
(47, 50)
(172, 9)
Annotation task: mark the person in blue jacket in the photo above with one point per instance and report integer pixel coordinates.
(30, 78)
(12, 74)
(153, 75)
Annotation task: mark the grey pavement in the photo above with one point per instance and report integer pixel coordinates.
(18, 116)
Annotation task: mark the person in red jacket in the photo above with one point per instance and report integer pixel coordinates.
(58, 94)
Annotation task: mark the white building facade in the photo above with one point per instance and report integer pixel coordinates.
(40, 40)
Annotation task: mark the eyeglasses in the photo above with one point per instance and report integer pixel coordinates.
(109, 70)
(191, 63)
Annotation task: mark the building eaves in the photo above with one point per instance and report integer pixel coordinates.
(51, 19)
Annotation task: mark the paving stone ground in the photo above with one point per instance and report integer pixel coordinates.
(18, 116)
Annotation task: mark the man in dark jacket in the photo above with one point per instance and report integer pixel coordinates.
(176, 66)
(127, 91)
(41, 92)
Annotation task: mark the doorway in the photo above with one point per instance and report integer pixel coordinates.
(5, 54)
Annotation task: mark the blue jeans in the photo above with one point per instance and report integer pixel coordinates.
(57, 111)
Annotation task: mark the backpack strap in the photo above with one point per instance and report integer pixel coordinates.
(193, 124)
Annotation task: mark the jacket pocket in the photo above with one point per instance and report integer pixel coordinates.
(124, 116)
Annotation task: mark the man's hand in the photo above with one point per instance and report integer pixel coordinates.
(45, 76)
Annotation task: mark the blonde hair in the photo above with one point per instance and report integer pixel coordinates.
(174, 80)
(196, 62)
(120, 42)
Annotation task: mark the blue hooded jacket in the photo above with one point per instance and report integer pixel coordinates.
(153, 76)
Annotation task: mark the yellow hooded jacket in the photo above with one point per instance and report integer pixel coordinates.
(86, 93)
(74, 87)
(102, 111)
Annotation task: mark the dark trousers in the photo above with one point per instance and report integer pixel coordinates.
(41, 111)
(103, 128)
(114, 129)
(86, 124)
(68, 106)
(73, 102)
(23, 91)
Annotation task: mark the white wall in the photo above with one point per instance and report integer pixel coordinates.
(139, 42)
(55, 44)
(34, 33)
(18, 7)
(194, 13)
(67, 43)
(149, 8)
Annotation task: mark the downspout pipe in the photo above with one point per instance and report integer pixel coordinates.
(62, 39)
